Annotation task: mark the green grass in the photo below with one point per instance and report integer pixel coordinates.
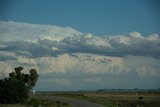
(95, 99)
(11, 105)
(105, 99)
(117, 99)
(39, 103)
(47, 103)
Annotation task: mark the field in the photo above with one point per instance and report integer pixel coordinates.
(35, 102)
(105, 99)
(117, 99)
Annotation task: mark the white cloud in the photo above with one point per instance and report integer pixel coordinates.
(154, 37)
(5, 55)
(11, 31)
(135, 35)
(5, 69)
(92, 40)
(72, 41)
(25, 60)
(65, 51)
(60, 64)
(142, 65)
(81, 63)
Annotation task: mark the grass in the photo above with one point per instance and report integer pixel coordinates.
(117, 99)
(46, 103)
(131, 99)
(105, 99)
(80, 96)
(34, 102)
(12, 105)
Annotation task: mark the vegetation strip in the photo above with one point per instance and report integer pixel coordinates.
(116, 99)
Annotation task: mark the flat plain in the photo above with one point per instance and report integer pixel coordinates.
(93, 99)
(115, 99)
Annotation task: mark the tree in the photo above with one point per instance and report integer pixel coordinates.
(16, 87)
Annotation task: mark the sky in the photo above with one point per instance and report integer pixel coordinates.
(100, 17)
(82, 44)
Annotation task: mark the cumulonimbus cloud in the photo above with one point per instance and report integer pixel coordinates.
(45, 40)
(60, 50)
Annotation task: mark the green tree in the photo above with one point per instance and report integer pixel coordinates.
(16, 87)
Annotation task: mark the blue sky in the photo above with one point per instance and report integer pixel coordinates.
(100, 17)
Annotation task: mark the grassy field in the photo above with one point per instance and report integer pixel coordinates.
(39, 103)
(108, 99)
(117, 99)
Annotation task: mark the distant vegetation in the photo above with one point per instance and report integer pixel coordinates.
(16, 88)
(136, 90)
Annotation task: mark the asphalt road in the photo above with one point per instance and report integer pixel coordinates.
(73, 102)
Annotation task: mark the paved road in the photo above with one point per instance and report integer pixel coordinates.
(73, 102)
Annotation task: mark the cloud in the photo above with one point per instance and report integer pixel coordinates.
(65, 52)
(143, 65)
(37, 40)
(58, 49)
(119, 46)
(11, 31)
(136, 44)
(81, 64)
(90, 64)
(5, 55)
(24, 60)
(5, 68)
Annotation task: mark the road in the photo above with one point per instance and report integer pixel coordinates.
(73, 102)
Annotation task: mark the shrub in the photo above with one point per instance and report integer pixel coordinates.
(15, 89)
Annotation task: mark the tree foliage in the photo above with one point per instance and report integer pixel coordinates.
(16, 87)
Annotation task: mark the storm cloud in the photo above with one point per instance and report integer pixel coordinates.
(64, 51)
(35, 40)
